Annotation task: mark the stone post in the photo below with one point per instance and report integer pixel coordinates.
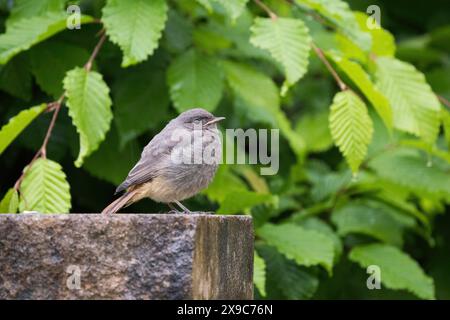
(126, 256)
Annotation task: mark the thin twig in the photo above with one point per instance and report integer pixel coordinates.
(88, 65)
(444, 101)
(269, 12)
(54, 107)
(333, 72)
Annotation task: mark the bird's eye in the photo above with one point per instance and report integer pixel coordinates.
(197, 121)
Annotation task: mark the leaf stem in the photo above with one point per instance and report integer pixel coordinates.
(88, 65)
(269, 12)
(333, 72)
(444, 101)
(54, 107)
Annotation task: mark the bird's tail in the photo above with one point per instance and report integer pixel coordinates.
(120, 202)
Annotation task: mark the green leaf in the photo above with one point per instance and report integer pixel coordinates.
(398, 270)
(361, 79)
(45, 188)
(135, 26)
(195, 80)
(371, 221)
(313, 128)
(415, 107)
(414, 173)
(328, 184)
(351, 127)
(285, 279)
(16, 125)
(234, 8)
(320, 226)
(15, 78)
(264, 106)
(89, 107)
(30, 8)
(383, 42)
(21, 35)
(259, 277)
(245, 81)
(242, 201)
(338, 13)
(10, 202)
(225, 182)
(62, 57)
(306, 247)
(141, 102)
(288, 42)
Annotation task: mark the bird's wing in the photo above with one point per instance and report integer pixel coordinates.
(152, 160)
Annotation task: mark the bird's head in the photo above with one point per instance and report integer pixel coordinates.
(198, 118)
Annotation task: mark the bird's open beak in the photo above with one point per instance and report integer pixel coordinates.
(215, 120)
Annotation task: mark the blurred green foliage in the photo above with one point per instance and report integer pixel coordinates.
(364, 173)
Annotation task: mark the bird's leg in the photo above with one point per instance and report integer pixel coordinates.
(173, 208)
(183, 207)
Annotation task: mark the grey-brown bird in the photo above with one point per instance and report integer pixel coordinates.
(170, 169)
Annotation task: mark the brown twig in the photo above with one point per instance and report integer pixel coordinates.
(88, 65)
(444, 101)
(54, 107)
(333, 72)
(269, 12)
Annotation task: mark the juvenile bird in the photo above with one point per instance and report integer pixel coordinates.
(176, 164)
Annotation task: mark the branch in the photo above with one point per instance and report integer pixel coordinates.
(54, 107)
(269, 12)
(333, 72)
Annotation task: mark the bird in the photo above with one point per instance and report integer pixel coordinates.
(169, 169)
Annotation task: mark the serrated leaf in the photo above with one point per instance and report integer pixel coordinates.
(414, 173)
(136, 26)
(89, 107)
(320, 226)
(361, 79)
(285, 279)
(17, 124)
(62, 57)
(10, 202)
(306, 247)
(351, 127)
(242, 201)
(45, 188)
(21, 35)
(415, 107)
(338, 13)
(195, 80)
(364, 219)
(104, 164)
(398, 270)
(29, 8)
(288, 42)
(259, 273)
